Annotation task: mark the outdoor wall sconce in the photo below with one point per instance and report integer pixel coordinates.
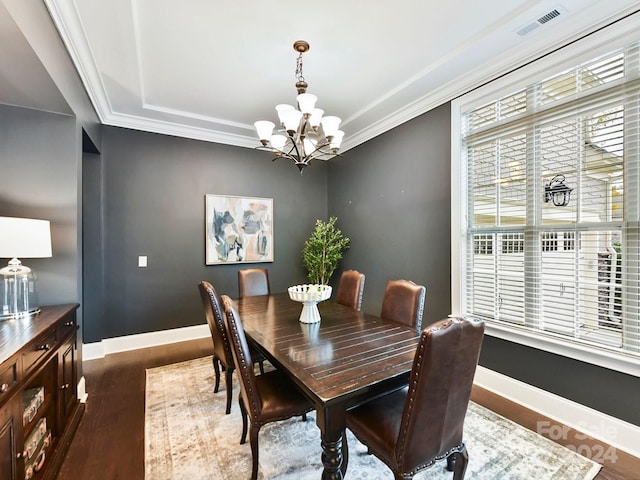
(557, 191)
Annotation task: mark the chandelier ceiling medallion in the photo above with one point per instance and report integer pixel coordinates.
(304, 134)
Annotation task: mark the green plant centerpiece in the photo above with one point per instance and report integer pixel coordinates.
(323, 250)
(320, 256)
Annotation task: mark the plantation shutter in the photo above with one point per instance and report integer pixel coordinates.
(566, 270)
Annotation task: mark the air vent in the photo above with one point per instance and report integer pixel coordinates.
(547, 17)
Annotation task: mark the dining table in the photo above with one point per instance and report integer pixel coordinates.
(345, 359)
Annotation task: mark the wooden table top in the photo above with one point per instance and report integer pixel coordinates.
(345, 357)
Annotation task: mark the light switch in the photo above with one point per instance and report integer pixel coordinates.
(142, 261)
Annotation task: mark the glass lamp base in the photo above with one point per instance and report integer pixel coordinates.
(18, 294)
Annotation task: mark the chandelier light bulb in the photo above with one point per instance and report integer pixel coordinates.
(309, 146)
(306, 103)
(291, 120)
(278, 142)
(316, 117)
(330, 125)
(281, 109)
(264, 129)
(336, 140)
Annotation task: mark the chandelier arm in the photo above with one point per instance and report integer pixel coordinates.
(278, 153)
(295, 147)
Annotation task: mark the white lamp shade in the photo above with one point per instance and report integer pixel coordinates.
(281, 109)
(316, 116)
(330, 125)
(291, 119)
(264, 129)
(306, 102)
(24, 238)
(309, 146)
(278, 141)
(337, 140)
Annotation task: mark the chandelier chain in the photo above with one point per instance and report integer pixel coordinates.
(299, 76)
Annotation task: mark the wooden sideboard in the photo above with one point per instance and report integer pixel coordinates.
(39, 407)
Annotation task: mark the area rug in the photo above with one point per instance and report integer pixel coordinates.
(188, 436)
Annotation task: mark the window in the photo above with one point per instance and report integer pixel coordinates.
(483, 244)
(566, 276)
(513, 243)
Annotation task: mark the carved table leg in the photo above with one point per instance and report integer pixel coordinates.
(331, 421)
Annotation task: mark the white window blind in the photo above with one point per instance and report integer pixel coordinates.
(570, 271)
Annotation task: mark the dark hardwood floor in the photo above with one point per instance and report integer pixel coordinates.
(109, 444)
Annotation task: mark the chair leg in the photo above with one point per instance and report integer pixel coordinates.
(254, 450)
(228, 380)
(243, 411)
(461, 459)
(216, 369)
(304, 417)
(261, 365)
(451, 462)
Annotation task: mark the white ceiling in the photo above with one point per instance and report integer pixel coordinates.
(207, 69)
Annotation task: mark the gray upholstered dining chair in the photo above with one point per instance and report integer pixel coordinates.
(411, 429)
(221, 347)
(253, 281)
(267, 398)
(350, 289)
(403, 302)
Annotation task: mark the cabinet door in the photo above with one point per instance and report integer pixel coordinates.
(9, 441)
(68, 382)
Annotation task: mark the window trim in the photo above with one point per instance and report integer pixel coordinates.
(596, 44)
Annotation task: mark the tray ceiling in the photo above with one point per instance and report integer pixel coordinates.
(207, 69)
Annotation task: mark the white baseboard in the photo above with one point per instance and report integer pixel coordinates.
(610, 430)
(91, 351)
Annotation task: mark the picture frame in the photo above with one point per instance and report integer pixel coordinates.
(238, 229)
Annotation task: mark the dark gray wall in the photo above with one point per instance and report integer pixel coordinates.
(39, 179)
(602, 389)
(92, 245)
(392, 199)
(154, 188)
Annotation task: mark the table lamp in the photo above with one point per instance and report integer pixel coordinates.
(24, 238)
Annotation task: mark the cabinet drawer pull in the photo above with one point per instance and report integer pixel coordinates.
(44, 347)
(64, 387)
(4, 387)
(69, 324)
(39, 461)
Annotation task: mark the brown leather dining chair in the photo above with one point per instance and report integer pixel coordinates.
(263, 399)
(221, 347)
(403, 302)
(253, 281)
(411, 429)
(350, 289)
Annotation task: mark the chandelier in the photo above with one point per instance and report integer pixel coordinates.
(304, 134)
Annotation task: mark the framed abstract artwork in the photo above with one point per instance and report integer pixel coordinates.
(238, 229)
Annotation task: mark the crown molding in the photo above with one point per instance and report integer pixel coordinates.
(67, 21)
(179, 130)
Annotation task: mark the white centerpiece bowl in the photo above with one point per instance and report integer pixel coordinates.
(309, 296)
